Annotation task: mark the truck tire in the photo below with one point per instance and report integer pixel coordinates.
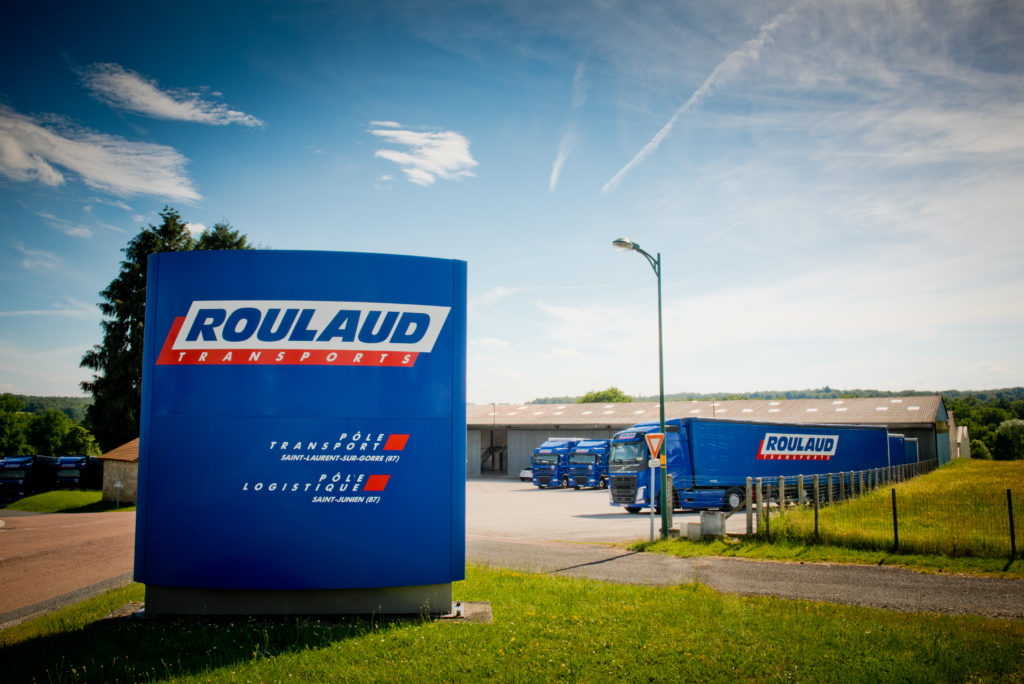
(633, 509)
(733, 499)
(565, 481)
(604, 482)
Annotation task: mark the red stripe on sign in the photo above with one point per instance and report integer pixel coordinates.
(167, 353)
(282, 357)
(376, 483)
(396, 442)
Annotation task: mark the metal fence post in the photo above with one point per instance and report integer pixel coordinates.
(801, 499)
(842, 477)
(830, 489)
(760, 506)
(750, 509)
(768, 511)
(782, 493)
(817, 495)
(1013, 533)
(895, 524)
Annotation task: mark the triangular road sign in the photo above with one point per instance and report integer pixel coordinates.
(654, 442)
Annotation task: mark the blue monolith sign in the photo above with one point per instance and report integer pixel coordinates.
(303, 433)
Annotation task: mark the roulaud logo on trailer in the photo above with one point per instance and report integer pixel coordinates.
(796, 447)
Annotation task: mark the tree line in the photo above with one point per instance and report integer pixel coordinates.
(49, 432)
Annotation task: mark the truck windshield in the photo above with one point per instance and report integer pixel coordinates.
(628, 452)
(545, 459)
(588, 459)
(12, 474)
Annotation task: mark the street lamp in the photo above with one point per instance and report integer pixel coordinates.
(655, 262)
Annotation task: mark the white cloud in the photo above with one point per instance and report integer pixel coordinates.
(194, 229)
(736, 62)
(564, 150)
(431, 155)
(65, 226)
(69, 308)
(490, 343)
(125, 89)
(37, 259)
(30, 152)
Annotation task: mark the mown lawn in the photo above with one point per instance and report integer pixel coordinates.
(67, 501)
(545, 629)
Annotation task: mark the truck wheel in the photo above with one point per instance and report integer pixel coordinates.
(565, 481)
(576, 487)
(604, 483)
(733, 498)
(632, 509)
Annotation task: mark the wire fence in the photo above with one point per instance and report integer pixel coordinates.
(882, 509)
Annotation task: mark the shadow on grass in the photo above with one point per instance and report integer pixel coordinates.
(98, 507)
(142, 649)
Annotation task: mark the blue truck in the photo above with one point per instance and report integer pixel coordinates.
(71, 472)
(550, 462)
(588, 463)
(16, 477)
(897, 450)
(710, 459)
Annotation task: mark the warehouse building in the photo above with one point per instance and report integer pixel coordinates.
(500, 438)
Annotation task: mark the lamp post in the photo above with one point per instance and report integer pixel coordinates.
(655, 262)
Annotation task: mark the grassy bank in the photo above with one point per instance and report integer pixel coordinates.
(67, 501)
(545, 628)
(957, 510)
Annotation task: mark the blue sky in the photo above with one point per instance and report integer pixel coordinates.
(835, 187)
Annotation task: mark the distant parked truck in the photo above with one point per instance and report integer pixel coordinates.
(71, 472)
(710, 459)
(588, 463)
(550, 462)
(15, 477)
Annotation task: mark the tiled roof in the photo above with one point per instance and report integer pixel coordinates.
(126, 452)
(908, 411)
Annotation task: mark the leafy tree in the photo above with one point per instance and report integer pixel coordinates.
(46, 432)
(1009, 441)
(13, 429)
(612, 394)
(77, 441)
(10, 403)
(116, 386)
(979, 450)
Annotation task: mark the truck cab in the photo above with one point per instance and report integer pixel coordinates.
(588, 463)
(15, 478)
(550, 462)
(70, 472)
(629, 475)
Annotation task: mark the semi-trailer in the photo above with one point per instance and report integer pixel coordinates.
(588, 463)
(710, 459)
(550, 462)
(897, 450)
(71, 472)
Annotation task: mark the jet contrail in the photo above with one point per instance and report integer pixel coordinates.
(730, 66)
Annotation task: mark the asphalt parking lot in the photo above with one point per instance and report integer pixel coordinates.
(507, 508)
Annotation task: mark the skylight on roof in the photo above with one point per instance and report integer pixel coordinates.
(913, 408)
(810, 410)
(748, 410)
(837, 401)
(608, 413)
(638, 412)
(607, 406)
(587, 412)
(774, 403)
(693, 411)
(541, 413)
(895, 401)
(773, 410)
(840, 408)
(881, 408)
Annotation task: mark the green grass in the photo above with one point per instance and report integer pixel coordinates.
(957, 510)
(67, 501)
(545, 629)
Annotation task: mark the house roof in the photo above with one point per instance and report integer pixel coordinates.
(126, 452)
(920, 411)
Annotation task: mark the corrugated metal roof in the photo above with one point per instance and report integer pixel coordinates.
(908, 411)
(126, 452)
